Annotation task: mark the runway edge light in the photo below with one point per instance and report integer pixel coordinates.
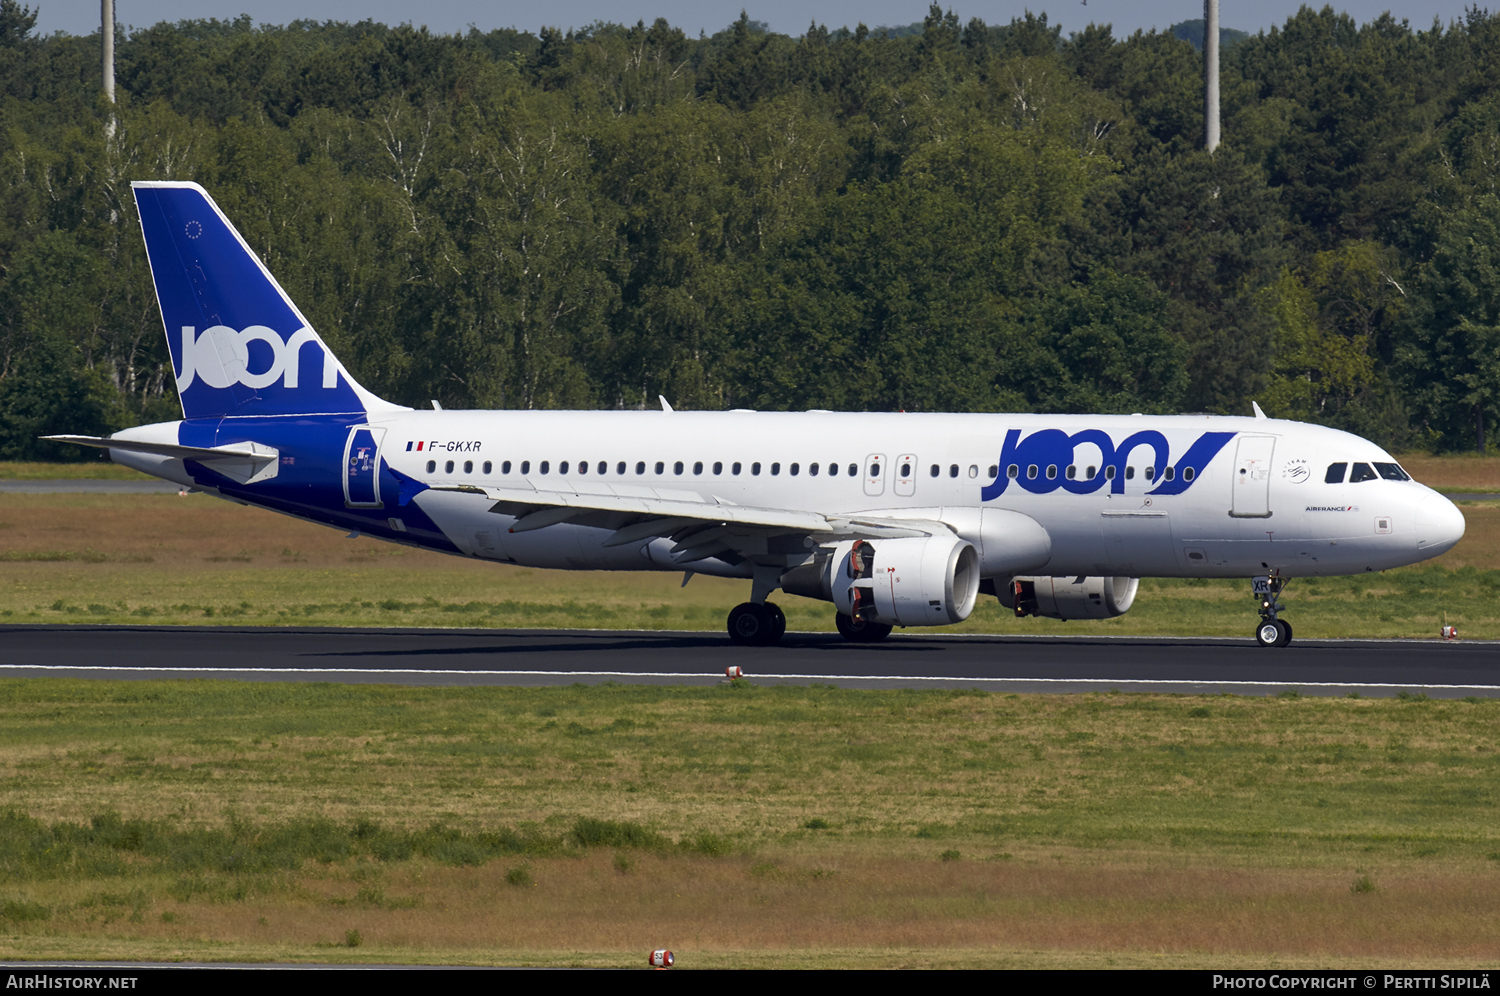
(661, 958)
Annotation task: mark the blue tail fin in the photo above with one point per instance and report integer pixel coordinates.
(239, 345)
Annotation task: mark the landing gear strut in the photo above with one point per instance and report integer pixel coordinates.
(756, 625)
(1272, 632)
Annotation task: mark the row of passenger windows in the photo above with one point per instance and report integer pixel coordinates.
(1363, 472)
(582, 467)
(679, 468)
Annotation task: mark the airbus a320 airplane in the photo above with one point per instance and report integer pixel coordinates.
(897, 519)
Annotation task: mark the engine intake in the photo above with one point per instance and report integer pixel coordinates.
(916, 581)
(1068, 598)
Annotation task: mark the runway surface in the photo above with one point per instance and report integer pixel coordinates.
(88, 487)
(551, 657)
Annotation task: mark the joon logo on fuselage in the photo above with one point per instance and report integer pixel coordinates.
(222, 357)
(1053, 448)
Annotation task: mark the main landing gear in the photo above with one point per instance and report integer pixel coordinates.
(860, 630)
(754, 624)
(1272, 632)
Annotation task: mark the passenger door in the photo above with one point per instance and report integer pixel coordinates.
(1252, 478)
(362, 467)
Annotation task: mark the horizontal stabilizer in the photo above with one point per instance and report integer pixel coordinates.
(247, 463)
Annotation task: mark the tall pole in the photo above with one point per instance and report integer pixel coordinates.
(107, 30)
(1209, 74)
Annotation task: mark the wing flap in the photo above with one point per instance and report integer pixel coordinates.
(660, 515)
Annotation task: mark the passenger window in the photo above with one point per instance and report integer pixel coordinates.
(660, 466)
(1188, 473)
(994, 471)
(812, 469)
(487, 468)
(718, 468)
(1072, 472)
(562, 468)
(1170, 473)
(1335, 473)
(775, 469)
(1031, 472)
(1109, 473)
(906, 470)
(755, 470)
(505, 468)
(1361, 472)
(640, 467)
(1391, 472)
(974, 471)
(1012, 472)
(793, 469)
(1150, 473)
(1129, 473)
(525, 466)
(1051, 471)
(604, 468)
(542, 467)
(936, 470)
(583, 466)
(620, 468)
(1093, 471)
(676, 468)
(431, 466)
(854, 470)
(697, 468)
(735, 470)
(448, 468)
(953, 470)
(468, 466)
(833, 470)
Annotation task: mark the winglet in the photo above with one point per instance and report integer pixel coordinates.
(1258, 412)
(664, 406)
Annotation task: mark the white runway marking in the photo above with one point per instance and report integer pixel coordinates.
(1103, 682)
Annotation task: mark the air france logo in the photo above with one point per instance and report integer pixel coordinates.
(221, 357)
(1042, 459)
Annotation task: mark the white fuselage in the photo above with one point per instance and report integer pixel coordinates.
(1260, 504)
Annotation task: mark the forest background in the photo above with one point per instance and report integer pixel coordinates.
(949, 217)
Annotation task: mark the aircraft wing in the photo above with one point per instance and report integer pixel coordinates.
(702, 528)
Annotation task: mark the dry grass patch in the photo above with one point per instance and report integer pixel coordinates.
(1460, 472)
(782, 902)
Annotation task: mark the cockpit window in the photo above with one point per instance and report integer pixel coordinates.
(1361, 472)
(1335, 473)
(1392, 472)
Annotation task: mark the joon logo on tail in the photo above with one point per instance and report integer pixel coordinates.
(1041, 461)
(255, 357)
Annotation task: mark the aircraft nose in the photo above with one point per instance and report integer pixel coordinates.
(1440, 525)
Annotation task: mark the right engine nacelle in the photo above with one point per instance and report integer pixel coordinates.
(1068, 598)
(917, 581)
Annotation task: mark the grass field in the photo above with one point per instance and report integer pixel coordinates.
(745, 826)
(174, 560)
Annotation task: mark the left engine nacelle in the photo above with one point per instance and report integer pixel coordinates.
(915, 581)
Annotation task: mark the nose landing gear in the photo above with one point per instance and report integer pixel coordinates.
(1272, 632)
